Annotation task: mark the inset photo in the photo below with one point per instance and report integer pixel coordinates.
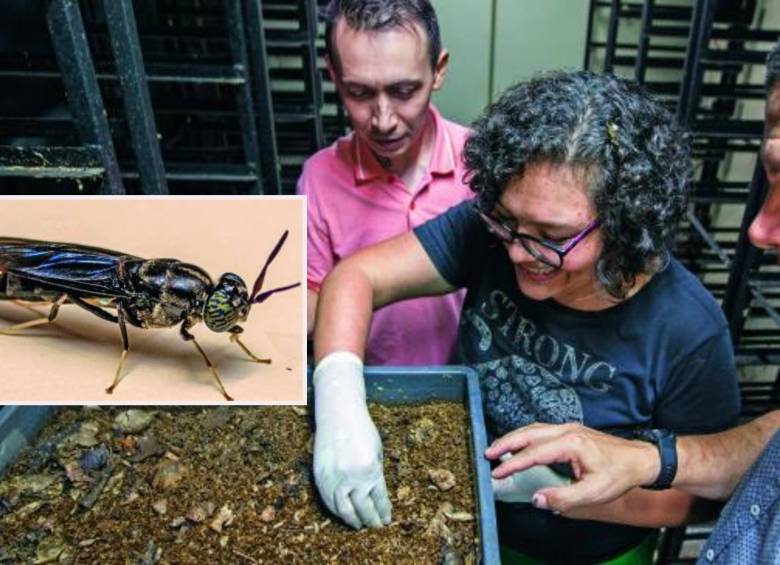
(196, 300)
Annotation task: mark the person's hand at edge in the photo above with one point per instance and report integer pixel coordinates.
(605, 467)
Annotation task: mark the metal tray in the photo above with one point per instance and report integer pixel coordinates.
(19, 425)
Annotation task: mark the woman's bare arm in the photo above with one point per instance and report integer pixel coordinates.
(393, 270)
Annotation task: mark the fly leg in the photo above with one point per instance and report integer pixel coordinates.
(118, 319)
(39, 321)
(187, 336)
(26, 306)
(235, 331)
(125, 349)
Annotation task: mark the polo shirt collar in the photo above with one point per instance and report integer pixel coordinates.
(366, 167)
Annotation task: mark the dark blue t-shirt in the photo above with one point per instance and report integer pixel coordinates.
(661, 359)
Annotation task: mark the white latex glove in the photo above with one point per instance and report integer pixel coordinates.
(521, 486)
(347, 447)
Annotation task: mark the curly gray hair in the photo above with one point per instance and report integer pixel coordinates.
(635, 157)
(773, 66)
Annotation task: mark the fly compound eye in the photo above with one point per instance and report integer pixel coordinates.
(220, 314)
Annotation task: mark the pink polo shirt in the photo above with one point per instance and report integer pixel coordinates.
(353, 202)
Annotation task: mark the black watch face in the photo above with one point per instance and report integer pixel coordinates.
(653, 435)
(648, 435)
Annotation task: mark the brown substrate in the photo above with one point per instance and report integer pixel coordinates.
(230, 485)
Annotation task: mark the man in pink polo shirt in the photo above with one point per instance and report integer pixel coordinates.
(400, 166)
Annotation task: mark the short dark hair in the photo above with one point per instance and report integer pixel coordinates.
(376, 15)
(773, 67)
(634, 156)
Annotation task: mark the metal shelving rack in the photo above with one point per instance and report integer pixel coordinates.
(174, 93)
(308, 113)
(700, 58)
(718, 87)
(68, 144)
(621, 53)
(167, 96)
(296, 83)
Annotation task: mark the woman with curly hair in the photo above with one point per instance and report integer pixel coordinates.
(575, 310)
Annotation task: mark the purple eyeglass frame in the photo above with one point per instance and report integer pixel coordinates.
(560, 250)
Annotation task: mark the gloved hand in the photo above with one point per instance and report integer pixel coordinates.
(521, 486)
(347, 447)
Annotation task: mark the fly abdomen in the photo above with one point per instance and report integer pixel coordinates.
(13, 287)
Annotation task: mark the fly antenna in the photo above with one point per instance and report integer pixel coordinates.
(256, 295)
(264, 295)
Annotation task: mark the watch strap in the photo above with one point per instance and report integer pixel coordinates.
(666, 442)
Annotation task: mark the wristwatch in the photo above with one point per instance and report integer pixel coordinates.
(666, 442)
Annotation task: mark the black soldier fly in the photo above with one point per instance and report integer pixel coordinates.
(147, 293)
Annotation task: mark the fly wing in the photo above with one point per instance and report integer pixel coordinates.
(90, 271)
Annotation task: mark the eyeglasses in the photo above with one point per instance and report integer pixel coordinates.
(546, 251)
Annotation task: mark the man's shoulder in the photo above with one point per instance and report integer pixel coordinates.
(456, 128)
(333, 159)
(458, 133)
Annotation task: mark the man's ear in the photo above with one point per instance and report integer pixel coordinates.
(440, 71)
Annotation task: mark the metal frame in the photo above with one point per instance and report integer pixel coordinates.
(256, 42)
(701, 27)
(746, 258)
(123, 34)
(292, 36)
(113, 39)
(84, 99)
(612, 33)
(239, 52)
(311, 69)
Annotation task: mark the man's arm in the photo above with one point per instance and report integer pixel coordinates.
(629, 506)
(311, 310)
(648, 509)
(606, 467)
(712, 465)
